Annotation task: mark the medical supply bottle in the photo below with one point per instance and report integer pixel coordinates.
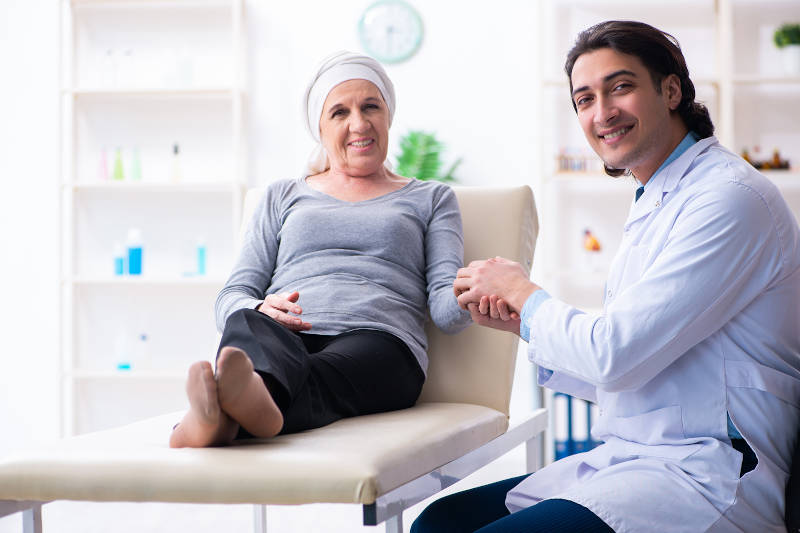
(176, 164)
(201, 257)
(119, 259)
(118, 173)
(134, 252)
(102, 168)
(136, 166)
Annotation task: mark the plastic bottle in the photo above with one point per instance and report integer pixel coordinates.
(119, 174)
(119, 259)
(136, 166)
(102, 167)
(140, 353)
(134, 252)
(122, 351)
(201, 257)
(132, 354)
(776, 159)
(176, 164)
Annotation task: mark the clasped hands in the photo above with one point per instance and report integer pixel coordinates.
(494, 291)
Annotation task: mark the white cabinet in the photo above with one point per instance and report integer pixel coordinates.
(738, 74)
(152, 140)
(764, 107)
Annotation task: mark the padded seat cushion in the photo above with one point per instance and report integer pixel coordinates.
(350, 461)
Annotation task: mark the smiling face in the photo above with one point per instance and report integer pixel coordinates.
(626, 120)
(354, 128)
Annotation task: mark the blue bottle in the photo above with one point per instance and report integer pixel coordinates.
(201, 257)
(134, 252)
(119, 260)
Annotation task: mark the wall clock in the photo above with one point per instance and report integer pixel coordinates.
(390, 30)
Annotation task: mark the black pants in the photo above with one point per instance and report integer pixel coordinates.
(318, 379)
(483, 510)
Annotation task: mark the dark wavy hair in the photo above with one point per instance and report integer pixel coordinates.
(661, 55)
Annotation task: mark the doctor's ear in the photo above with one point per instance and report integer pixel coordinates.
(671, 90)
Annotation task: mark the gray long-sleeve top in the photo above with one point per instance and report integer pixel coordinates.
(377, 264)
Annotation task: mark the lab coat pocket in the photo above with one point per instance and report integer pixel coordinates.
(660, 426)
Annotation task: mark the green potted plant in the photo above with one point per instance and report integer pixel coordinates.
(420, 157)
(787, 39)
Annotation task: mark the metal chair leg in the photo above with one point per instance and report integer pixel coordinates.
(32, 519)
(259, 518)
(395, 524)
(534, 453)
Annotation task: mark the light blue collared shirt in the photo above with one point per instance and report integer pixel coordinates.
(687, 142)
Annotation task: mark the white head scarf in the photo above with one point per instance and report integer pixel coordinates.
(338, 68)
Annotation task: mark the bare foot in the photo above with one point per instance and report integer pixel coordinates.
(243, 395)
(204, 424)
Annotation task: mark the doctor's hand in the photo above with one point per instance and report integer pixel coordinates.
(496, 276)
(278, 306)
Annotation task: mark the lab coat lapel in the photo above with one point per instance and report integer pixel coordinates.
(655, 193)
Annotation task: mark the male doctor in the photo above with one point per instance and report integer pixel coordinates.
(695, 360)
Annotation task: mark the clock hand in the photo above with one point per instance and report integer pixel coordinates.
(390, 38)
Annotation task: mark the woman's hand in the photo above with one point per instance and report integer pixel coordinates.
(496, 307)
(278, 306)
(510, 323)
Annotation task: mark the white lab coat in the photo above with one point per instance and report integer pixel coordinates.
(701, 318)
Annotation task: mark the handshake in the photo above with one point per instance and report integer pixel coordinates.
(494, 292)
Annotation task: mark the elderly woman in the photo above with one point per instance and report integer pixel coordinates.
(322, 317)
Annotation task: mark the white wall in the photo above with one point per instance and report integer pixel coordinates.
(28, 222)
(472, 82)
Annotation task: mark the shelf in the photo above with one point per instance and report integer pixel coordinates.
(761, 6)
(556, 82)
(786, 180)
(126, 375)
(115, 4)
(137, 78)
(593, 182)
(140, 281)
(566, 176)
(156, 187)
(581, 278)
(211, 93)
(757, 79)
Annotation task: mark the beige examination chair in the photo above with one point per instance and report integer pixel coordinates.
(385, 462)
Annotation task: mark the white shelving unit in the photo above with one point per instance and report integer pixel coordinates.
(751, 101)
(137, 78)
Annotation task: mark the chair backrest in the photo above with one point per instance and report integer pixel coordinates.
(477, 365)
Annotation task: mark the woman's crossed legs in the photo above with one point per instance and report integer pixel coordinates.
(237, 397)
(270, 380)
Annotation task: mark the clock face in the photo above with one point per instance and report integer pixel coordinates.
(390, 30)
